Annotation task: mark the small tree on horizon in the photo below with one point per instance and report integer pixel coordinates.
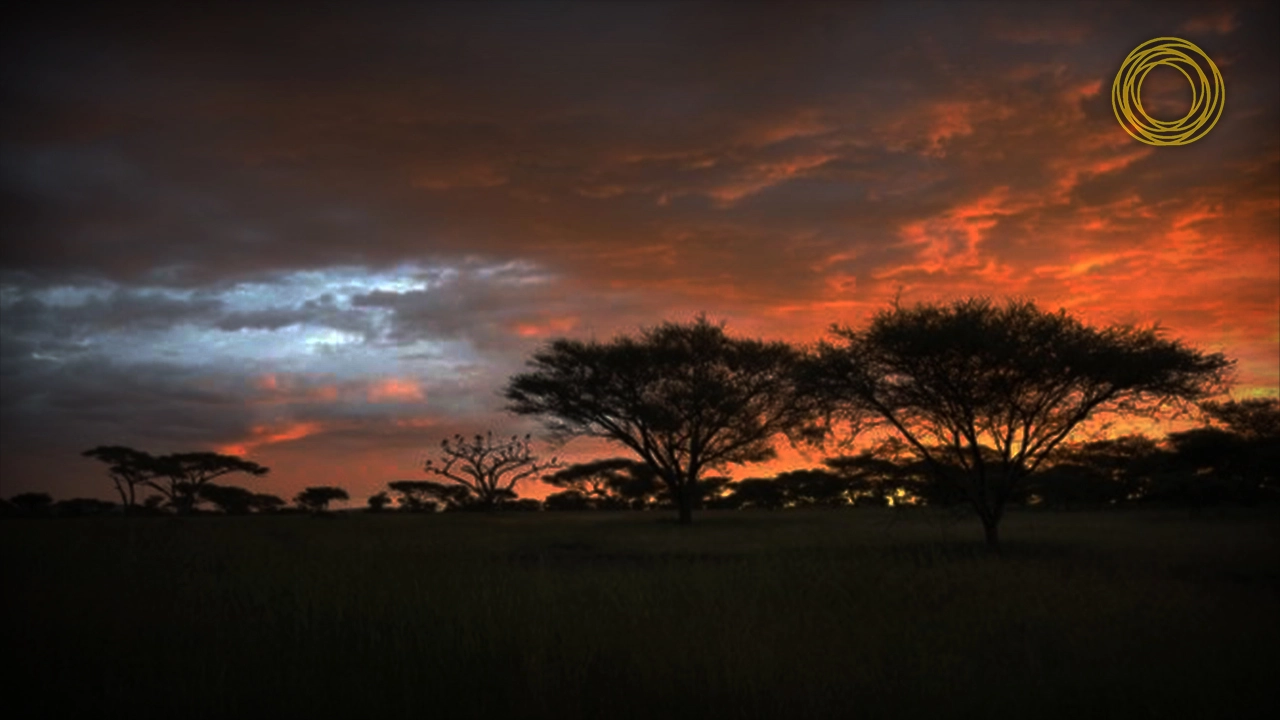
(489, 469)
(317, 499)
(610, 483)
(1234, 456)
(984, 393)
(33, 504)
(430, 496)
(414, 495)
(266, 503)
(230, 499)
(378, 501)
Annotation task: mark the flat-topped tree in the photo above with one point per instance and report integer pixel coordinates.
(128, 468)
(610, 483)
(185, 473)
(684, 397)
(488, 468)
(230, 499)
(1240, 450)
(984, 393)
(317, 499)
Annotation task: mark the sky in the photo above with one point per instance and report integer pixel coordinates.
(324, 239)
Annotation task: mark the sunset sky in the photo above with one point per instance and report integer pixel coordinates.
(325, 239)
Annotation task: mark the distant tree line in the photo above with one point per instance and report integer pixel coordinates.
(978, 404)
(182, 483)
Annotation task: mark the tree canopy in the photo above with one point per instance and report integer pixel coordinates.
(180, 477)
(983, 393)
(128, 468)
(489, 469)
(186, 473)
(607, 484)
(685, 398)
(317, 499)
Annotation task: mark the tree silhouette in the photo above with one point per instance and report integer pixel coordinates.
(317, 499)
(1252, 419)
(185, 473)
(32, 504)
(1234, 457)
(266, 503)
(414, 495)
(589, 479)
(984, 393)
(568, 500)
(1099, 472)
(685, 398)
(816, 486)
(229, 499)
(489, 469)
(611, 483)
(128, 468)
(82, 507)
(378, 501)
(427, 496)
(763, 493)
(878, 474)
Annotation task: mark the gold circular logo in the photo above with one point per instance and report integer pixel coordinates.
(1207, 98)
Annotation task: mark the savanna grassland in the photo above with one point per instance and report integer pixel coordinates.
(813, 614)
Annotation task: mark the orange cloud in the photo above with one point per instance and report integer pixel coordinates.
(806, 122)
(395, 390)
(277, 389)
(546, 327)
(764, 175)
(952, 241)
(930, 128)
(1073, 169)
(261, 435)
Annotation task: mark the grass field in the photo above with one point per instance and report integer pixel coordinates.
(855, 613)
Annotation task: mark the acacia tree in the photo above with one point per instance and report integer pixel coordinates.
(230, 499)
(186, 473)
(32, 504)
(489, 469)
(317, 499)
(610, 483)
(983, 393)
(416, 495)
(1098, 472)
(379, 501)
(266, 503)
(685, 398)
(128, 468)
(1240, 449)
(590, 479)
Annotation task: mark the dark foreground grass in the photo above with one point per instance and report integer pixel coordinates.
(744, 615)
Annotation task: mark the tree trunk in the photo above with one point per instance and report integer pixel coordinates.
(124, 499)
(684, 501)
(991, 527)
(686, 511)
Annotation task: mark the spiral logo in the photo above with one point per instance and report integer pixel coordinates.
(1207, 97)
